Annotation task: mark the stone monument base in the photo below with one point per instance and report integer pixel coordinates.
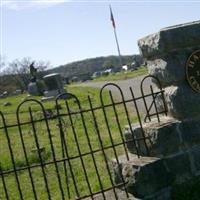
(53, 93)
(48, 98)
(173, 157)
(153, 178)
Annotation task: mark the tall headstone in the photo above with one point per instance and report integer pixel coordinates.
(54, 85)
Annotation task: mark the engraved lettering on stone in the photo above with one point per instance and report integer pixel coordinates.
(195, 57)
(191, 64)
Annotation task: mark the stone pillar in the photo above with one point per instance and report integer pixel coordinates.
(166, 53)
(174, 143)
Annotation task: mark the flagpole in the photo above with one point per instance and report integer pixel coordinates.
(120, 58)
(115, 33)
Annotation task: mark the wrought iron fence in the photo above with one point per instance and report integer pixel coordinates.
(67, 153)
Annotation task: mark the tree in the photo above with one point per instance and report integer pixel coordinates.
(2, 62)
(107, 64)
(19, 71)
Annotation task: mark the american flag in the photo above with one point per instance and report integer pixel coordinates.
(112, 18)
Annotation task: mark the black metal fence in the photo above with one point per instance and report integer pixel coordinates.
(67, 152)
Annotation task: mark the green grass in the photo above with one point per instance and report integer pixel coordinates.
(123, 75)
(72, 129)
(188, 191)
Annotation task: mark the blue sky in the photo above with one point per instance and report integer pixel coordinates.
(65, 31)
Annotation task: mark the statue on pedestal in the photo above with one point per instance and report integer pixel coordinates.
(33, 71)
(35, 87)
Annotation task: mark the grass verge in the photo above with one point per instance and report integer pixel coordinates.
(123, 75)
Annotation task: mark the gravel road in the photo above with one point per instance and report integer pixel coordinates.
(124, 85)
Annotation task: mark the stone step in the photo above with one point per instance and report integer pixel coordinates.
(110, 195)
(145, 176)
(152, 177)
(121, 195)
(163, 139)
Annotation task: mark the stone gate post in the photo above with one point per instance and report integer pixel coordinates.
(173, 56)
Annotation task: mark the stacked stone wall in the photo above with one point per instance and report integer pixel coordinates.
(173, 155)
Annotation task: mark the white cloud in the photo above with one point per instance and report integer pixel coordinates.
(27, 4)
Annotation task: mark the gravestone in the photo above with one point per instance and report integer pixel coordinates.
(54, 85)
(173, 56)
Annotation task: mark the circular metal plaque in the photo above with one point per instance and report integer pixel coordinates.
(193, 71)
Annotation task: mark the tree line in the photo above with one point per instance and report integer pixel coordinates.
(16, 74)
(89, 66)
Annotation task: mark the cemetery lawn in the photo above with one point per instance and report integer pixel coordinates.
(187, 191)
(43, 138)
(123, 75)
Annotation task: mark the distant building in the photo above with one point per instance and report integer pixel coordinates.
(125, 67)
